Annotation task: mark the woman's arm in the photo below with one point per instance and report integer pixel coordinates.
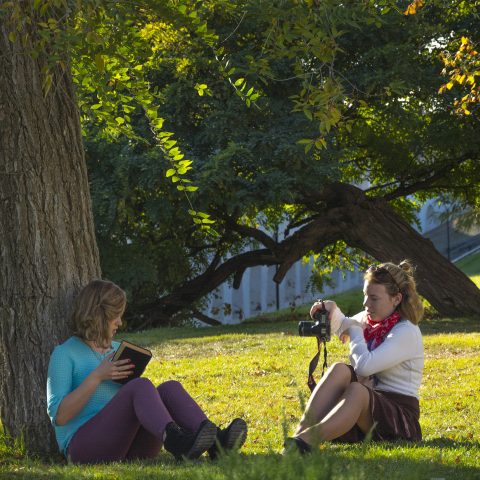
(70, 403)
(401, 344)
(74, 402)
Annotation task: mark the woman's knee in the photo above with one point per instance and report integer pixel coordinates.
(139, 384)
(340, 370)
(338, 376)
(170, 385)
(357, 391)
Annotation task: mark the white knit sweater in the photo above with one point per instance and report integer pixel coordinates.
(397, 362)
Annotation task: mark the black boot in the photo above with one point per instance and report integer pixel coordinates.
(296, 444)
(189, 445)
(232, 437)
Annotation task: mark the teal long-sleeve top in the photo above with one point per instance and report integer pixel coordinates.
(70, 364)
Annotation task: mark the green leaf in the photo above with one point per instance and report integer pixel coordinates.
(120, 120)
(100, 62)
(158, 122)
(308, 114)
(169, 144)
(239, 82)
(170, 172)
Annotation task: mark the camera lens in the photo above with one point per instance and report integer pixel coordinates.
(305, 329)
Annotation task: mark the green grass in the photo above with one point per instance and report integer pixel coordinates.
(471, 266)
(257, 370)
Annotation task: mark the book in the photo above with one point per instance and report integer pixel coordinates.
(138, 355)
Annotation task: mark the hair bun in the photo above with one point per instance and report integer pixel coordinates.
(406, 266)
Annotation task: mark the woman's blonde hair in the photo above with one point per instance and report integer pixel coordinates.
(399, 279)
(98, 302)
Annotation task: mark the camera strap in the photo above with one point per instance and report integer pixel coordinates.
(314, 362)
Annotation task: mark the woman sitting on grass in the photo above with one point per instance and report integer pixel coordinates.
(378, 392)
(99, 420)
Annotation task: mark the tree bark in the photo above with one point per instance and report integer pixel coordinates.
(47, 241)
(345, 213)
(372, 225)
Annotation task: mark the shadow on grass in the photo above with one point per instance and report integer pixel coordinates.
(286, 327)
(166, 334)
(449, 443)
(450, 325)
(361, 462)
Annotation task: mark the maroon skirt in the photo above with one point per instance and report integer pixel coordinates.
(395, 417)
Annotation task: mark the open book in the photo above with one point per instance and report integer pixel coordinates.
(138, 355)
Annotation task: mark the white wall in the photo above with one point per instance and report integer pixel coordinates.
(257, 293)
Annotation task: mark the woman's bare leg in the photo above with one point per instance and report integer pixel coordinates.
(325, 396)
(353, 408)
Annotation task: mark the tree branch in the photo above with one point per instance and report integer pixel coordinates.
(205, 318)
(421, 184)
(254, 233)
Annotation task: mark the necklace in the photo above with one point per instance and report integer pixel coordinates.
(99, 355)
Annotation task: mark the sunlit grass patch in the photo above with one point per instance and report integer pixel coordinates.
(258, 372)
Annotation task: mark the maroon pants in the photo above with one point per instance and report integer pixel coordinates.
(132, 424)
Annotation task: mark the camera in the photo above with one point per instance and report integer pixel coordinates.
(320, 328)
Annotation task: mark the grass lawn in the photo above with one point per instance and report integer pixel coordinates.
(257, 370)
(471, 266)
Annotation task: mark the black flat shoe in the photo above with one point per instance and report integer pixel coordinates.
(296, 444)
(230, 438)
(183, 444)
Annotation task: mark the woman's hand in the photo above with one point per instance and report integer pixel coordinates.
(344, 337)
(330, 306)
(109, 370)
(335, 315)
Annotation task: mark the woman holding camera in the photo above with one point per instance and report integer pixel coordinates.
(378, 393)
(97, 419)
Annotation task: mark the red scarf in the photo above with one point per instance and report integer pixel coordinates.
(375, 332)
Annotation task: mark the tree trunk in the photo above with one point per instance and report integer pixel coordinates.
(47, 241)
(367, 223)
(372, 225)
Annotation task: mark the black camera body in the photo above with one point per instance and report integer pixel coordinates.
(320, 328)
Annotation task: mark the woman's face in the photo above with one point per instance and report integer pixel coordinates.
(113, 326)
(377, 302)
